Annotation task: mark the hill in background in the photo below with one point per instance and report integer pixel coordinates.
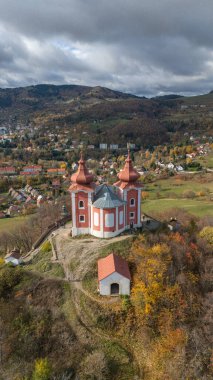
(106, 115)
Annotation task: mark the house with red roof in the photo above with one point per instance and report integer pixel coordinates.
(113, 276)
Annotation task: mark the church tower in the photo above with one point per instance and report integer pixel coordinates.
(81, 189)
(130, 191)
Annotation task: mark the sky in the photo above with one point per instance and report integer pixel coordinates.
(144, 47)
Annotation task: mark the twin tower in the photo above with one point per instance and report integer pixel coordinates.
(103, 210)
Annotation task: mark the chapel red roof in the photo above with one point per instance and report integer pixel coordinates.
(111, 264)
(128, 174)
(82, 176)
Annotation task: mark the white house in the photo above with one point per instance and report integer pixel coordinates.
(170, 166)
(113, 276)
(179, 168)
(14, 257)
(103, 146)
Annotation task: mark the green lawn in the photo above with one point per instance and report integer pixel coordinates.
(42, 263)
(177, 186)
(206, 161)
(8, 224)
(196, 207)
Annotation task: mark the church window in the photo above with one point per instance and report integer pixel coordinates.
(109, 220)
(96, 219)
(81, 218)
(132, 202)
(132, 215)
(81, 204)
(121, 217)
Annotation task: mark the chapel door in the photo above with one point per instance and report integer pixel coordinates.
(114, 289)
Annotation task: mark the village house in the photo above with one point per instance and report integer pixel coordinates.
(14, 257)
(103, 146)
(179, 168)
(113, 146)
(170, 166)
(7, 170)
(32, 168)
(113, 276)
(102, 210)
(56, 171)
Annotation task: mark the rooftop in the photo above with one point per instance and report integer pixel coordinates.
(111, 264)
(105, 197)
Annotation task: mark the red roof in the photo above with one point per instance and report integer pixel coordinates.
(82, 176)
(7, 169)
(128, 185)
(128, 174)
(111, 264)
(30, 173)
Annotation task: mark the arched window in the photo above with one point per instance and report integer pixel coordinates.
(81, 204)
(132, 202)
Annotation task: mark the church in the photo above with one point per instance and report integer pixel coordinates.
(105, 211)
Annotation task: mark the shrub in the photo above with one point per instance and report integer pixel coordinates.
(42, 370)
(94, 367)
(207, 233)
(9, 278)
(46, 247)
(1, 261)
(189, 194)
(200, 194)
(145, 195)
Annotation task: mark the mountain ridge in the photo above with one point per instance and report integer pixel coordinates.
(107, 115)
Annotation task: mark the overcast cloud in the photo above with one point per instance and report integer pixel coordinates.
(146, 47)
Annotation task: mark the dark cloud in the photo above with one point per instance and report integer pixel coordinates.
(142, 46)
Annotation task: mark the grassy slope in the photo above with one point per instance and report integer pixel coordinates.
(160, 196)
(7, 224)
(196, 207)
(42, 263)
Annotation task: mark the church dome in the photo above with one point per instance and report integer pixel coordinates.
(128, 174)
(82, 176)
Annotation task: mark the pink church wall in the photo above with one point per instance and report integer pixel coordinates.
(81, 196)
(96, 210)
(109, 211)
(133, 193)
(120, 208)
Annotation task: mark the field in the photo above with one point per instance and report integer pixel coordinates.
(206, 161)
(7, 224)
(196, 207)
(173, 192)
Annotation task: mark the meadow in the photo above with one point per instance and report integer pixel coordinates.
(194, 206)
(8, 224)
(192, 194)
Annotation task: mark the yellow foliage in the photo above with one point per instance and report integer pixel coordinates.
(1, 262)
(145, 195)
(152, 263)
(201, 194)
(42, 370)
(147, 154)
(207, 233)
(63, 165)
(167, 356)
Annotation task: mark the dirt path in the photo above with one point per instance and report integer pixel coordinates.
(76, 255)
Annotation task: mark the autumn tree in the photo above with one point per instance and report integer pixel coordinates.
(42, 370)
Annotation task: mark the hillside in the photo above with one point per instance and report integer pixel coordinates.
(101, 113)
(52, 315)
